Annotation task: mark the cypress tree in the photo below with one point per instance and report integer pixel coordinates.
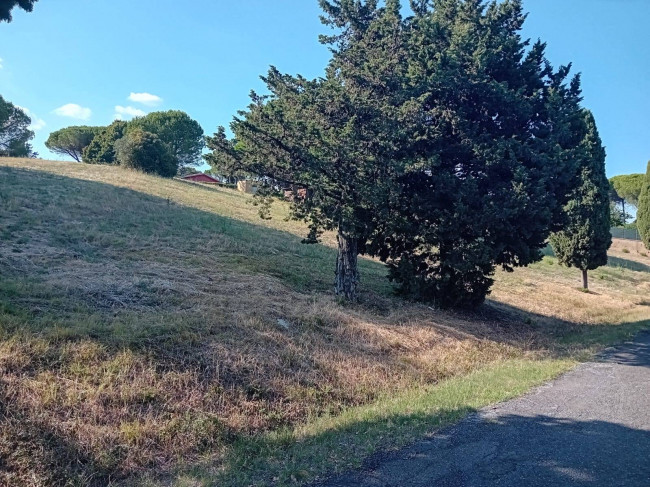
(493, 148)
(442, 143)
(586, 236)
(335, 140)
(643, 213)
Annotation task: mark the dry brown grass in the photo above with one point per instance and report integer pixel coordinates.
(153, 324)
(636, 251)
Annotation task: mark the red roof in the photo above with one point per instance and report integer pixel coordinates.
(201, 178)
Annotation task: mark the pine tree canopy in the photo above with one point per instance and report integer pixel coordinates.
(628, 187)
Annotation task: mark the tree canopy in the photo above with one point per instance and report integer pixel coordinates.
(146, 152)
(14, 130)
(628, 187)
(334, 138)
(439, 142)
(182, 134)
(101, 149)
(71, 141)
(585, 237)
(494, 147)
(624, 190)
(6, 6)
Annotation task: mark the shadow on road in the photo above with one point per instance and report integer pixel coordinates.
(634, 354)
(516, 451)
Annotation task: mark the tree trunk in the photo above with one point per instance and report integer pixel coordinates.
(347, 273)
(585, 281)
(624, 215)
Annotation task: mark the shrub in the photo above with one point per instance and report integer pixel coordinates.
(102, 148)
(146, 152)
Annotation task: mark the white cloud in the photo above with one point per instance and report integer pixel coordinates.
(37, 123)
(73, 110)
(125, 113)
(146, 99)
(0, 63)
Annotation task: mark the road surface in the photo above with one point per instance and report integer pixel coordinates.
(591, 428)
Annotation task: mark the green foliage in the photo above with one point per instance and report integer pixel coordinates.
(101, 149)
(494, 144)
(146, 152)
(624, 190)
(617, 217)
(72, 141)
(585, 238)
(14, 131)
(643, 213)
(182, 134)
(628, 187)
(187, 170)
(432, 142)
(332, 141)
(6, 6)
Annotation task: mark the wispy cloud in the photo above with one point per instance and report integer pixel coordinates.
(145, 99)
(73, 110)
(125, 113)
(0, 63)
(37, 123)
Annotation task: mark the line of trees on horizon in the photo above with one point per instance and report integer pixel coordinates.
(159, 143)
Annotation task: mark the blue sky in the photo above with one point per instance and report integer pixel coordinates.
(76, 62)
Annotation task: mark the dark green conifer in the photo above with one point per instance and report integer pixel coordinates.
(586, 236)
(643, 213)
(493, 148)
(101, 149)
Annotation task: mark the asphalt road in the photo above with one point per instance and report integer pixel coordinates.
(591, 428)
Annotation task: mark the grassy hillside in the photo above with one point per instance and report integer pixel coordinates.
(154, 332)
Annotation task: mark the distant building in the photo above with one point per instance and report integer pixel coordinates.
(199, 177)
(247, 187)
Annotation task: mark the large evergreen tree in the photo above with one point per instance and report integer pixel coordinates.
(625, 189)
(643, 213)
(493, 152)
(441, 143)
(145, 152)
(182, 134)
(337, 139)
(585, 238)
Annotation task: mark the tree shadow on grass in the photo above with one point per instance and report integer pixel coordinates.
(616, 262)
(627, 264)
(558, 337)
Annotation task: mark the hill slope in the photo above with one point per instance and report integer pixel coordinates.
(151, 329)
